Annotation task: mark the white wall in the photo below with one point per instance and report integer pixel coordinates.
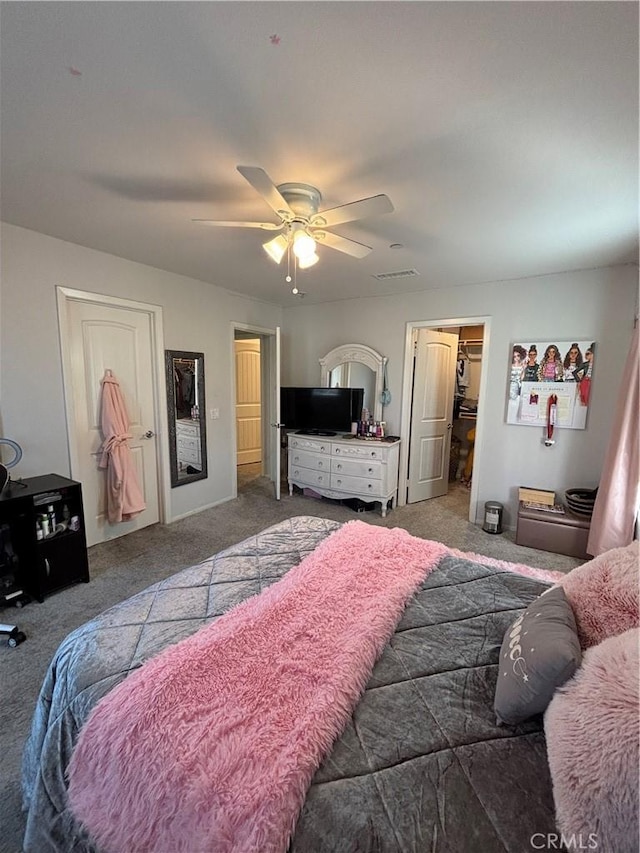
(595, 305)
(197, 316)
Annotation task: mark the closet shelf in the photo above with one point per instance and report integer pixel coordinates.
(472, 348)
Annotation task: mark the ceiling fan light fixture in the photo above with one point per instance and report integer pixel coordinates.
(304, 246)
(308, 261)
(276, 248)
(297, 207)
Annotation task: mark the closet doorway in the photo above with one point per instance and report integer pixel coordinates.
(465, 410)
(442, 411)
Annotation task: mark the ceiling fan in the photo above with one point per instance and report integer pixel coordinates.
(302, 224)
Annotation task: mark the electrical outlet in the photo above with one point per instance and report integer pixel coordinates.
(215, 413)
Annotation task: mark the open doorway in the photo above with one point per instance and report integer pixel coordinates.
(249, 449)
(256, 402)
(465, 409)
(442, 411)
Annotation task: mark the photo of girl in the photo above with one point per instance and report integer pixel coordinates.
(572, 360)
(530, 373)
(551, 369)
(582, 375)
(518, 356)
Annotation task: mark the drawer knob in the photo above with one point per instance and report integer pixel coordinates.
(337, 450)
(296, 471)
(373, 453)
(369, 486)
(320, 464)
(370, 470)
(296, 458)
(339, 467)
(339, 482)
(322, 447)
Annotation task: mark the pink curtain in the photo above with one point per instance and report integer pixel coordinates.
(616, 506)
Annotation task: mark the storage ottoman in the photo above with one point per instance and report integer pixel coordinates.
(549, 531)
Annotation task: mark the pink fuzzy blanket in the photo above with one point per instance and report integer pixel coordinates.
(212, 745)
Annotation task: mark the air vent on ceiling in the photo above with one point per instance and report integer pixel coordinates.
(382, 276)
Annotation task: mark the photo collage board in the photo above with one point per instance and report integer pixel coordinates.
(544, 368)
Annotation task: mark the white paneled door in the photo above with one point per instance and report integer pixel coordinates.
(248, 401)
(431, 414)
(102, 337)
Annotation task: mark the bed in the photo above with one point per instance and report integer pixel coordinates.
(421, 765)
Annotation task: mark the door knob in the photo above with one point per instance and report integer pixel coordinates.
(149, 434)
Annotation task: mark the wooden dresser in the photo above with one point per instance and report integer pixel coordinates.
(340, 467)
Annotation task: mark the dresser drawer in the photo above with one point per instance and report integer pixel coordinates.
(357, 468)
(315, 445)
(355, 451)
(188, 429)
(188, 457)
(357, 485)
(305, 459)
(308, 477)
(185, 443)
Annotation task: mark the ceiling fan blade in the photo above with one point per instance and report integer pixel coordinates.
(262, 183)
(266, 226)
(362, 209)
(342, 244)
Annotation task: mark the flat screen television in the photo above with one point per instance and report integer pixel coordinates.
(320, 411)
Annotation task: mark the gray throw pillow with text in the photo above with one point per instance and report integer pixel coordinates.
(540, 651)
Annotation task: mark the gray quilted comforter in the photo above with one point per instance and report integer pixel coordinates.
(420, 768)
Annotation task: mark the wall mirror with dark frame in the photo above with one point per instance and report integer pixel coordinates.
(186, 416)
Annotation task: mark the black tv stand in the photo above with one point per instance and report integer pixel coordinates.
(315, 432)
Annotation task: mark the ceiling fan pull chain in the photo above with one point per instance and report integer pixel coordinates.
(288, 276)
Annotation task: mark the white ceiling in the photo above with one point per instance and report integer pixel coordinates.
(505, 134)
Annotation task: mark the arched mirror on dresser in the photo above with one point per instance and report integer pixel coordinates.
(356, 366)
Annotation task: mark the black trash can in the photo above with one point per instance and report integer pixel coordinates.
(493, 517)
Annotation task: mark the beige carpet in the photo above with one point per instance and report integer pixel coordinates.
(125, 566)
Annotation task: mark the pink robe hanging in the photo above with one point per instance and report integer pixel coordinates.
(124, 496)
